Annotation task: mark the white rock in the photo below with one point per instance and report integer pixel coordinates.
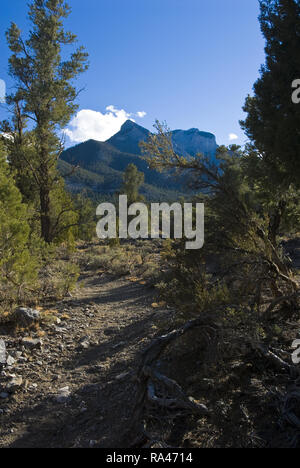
(2, 352)
(10, 361)
(63, 395)
(14, 384)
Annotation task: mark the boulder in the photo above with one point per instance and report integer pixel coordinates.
(25, 317)
(31, 343)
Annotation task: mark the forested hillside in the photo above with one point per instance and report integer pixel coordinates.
(99, 168)
(106, 162)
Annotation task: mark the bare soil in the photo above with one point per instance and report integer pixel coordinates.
(94, 351)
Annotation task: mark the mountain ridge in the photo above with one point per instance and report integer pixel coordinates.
(102, 164)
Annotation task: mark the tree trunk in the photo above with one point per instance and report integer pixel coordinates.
(275, 221)
(45, 214)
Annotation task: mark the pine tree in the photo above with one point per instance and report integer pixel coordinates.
(86, 217)
(16, 264)
(46, 97)
(133, 179)
(273, 120)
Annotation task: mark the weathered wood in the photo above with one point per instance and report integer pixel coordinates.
(147, 375)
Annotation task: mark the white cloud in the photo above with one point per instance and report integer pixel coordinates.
(7, 136)
(141, 114)
(89, 124)
(232, 137)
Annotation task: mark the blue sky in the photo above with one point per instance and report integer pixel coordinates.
(188, 62)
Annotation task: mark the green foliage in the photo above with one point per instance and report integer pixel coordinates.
(273, 120)
(57, 279)
(242, 257)
(21, 155)
(139, 259)
(132, 181)
(63, 216)
(100, 168)
(44, 95)
(17, 266)
(85, 210)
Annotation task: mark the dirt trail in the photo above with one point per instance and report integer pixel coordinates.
(94, 352)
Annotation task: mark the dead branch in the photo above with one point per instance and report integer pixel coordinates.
(147, 375)
(289, 405)
(273, 358)
(182, 402)
(279, 300)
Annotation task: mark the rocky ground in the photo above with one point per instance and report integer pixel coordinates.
(70, 382)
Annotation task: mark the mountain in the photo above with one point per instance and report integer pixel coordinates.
(128, 138)
(101, 164)
(186, 142)
(190, 142)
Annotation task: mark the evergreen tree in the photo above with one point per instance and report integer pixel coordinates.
(17, 266)
(45, 96)
(242, 223)
(133, 179)
(273, 120)
(86, 217)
